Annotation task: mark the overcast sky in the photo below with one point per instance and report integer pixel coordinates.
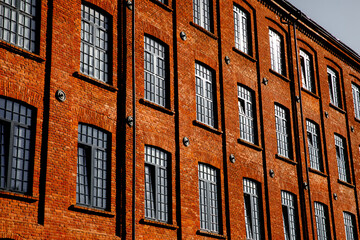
(339, 17)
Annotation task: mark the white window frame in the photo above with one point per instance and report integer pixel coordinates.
(283, 136)
(209, 198)
(246, 114)
(204, 86)
(350, 226)
(334, 87)
(322, 222)
(276, 52)
(290, 215)
(306, 71)
(356, 99)
(313, 139)
(252, 209)
(18, 23)
(241, 29)
(95, 44)
(155, 71)
(157, 195)
(202, 15)
(342, 159)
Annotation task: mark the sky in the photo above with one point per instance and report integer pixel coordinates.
(341, 18)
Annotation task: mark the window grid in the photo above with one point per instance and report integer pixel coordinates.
(94, 44)
(276, 52)
(201, 11)
(356, 98)
(18, 23)
(334, 87)
(314, 146)
(15, 145)
(156, 184)
(155, 71)
(341, 158)
(163, 1)
(282, 131)
(289, 208)
(321, 221)
(208, 197)
(241, 22)
(252, 210)
(246, 114)
(306, 71)
(350, 226)
(204, 95)
(92, 174)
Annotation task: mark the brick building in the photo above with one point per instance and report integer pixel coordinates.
(164, 119)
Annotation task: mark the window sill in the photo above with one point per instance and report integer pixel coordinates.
(90, 210)
(357, 120)
(204, 30)
(337, 108)
(318, 172)
(158, 224)
(279, 75)
(310, 93)
(18, 196)
(285, 159)
(346, 183)
(157, 107)
(94, 81)
(249, 144)
(164, 6)
(249, 57)
(20, 51)
(207, 127)
(210, 234)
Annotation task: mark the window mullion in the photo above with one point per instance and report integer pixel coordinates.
(156, 200)
(92, 166)
(10, 154)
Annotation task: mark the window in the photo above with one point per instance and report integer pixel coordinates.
(334, 87)
(155, 71)
(282, 131)
(350, 226)
(163, 1)
(246, 114)
(208, 195)
(252, 210)
(201, 9)
(94, 55)
(289, 210)
(314, 146)
(276, 52)
(341, 158)
(306, 71)
(241, 24)
(322, 222)
(92, 167)
(16, 140)
(204, 95)
(156, 184)
(356, 98)
(18, 23)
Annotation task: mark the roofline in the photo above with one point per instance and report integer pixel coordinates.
(301, 18)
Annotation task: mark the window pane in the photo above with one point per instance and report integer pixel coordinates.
(334, 87)
(156, 184)
(94, 44)
(356, 99)
(154, 71)
(306, 71)
(350, 226)
(321, 221)
(252, 210)
(282, 131)
(314, 146)
(204, 95)
(18, 23)
(276, 52)
(241, 23)
(341, 158)
(246, 115)
(208, 198)
(289, 208)
(92, 175)
(201, 11)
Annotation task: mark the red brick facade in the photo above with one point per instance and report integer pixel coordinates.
(49, 209)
